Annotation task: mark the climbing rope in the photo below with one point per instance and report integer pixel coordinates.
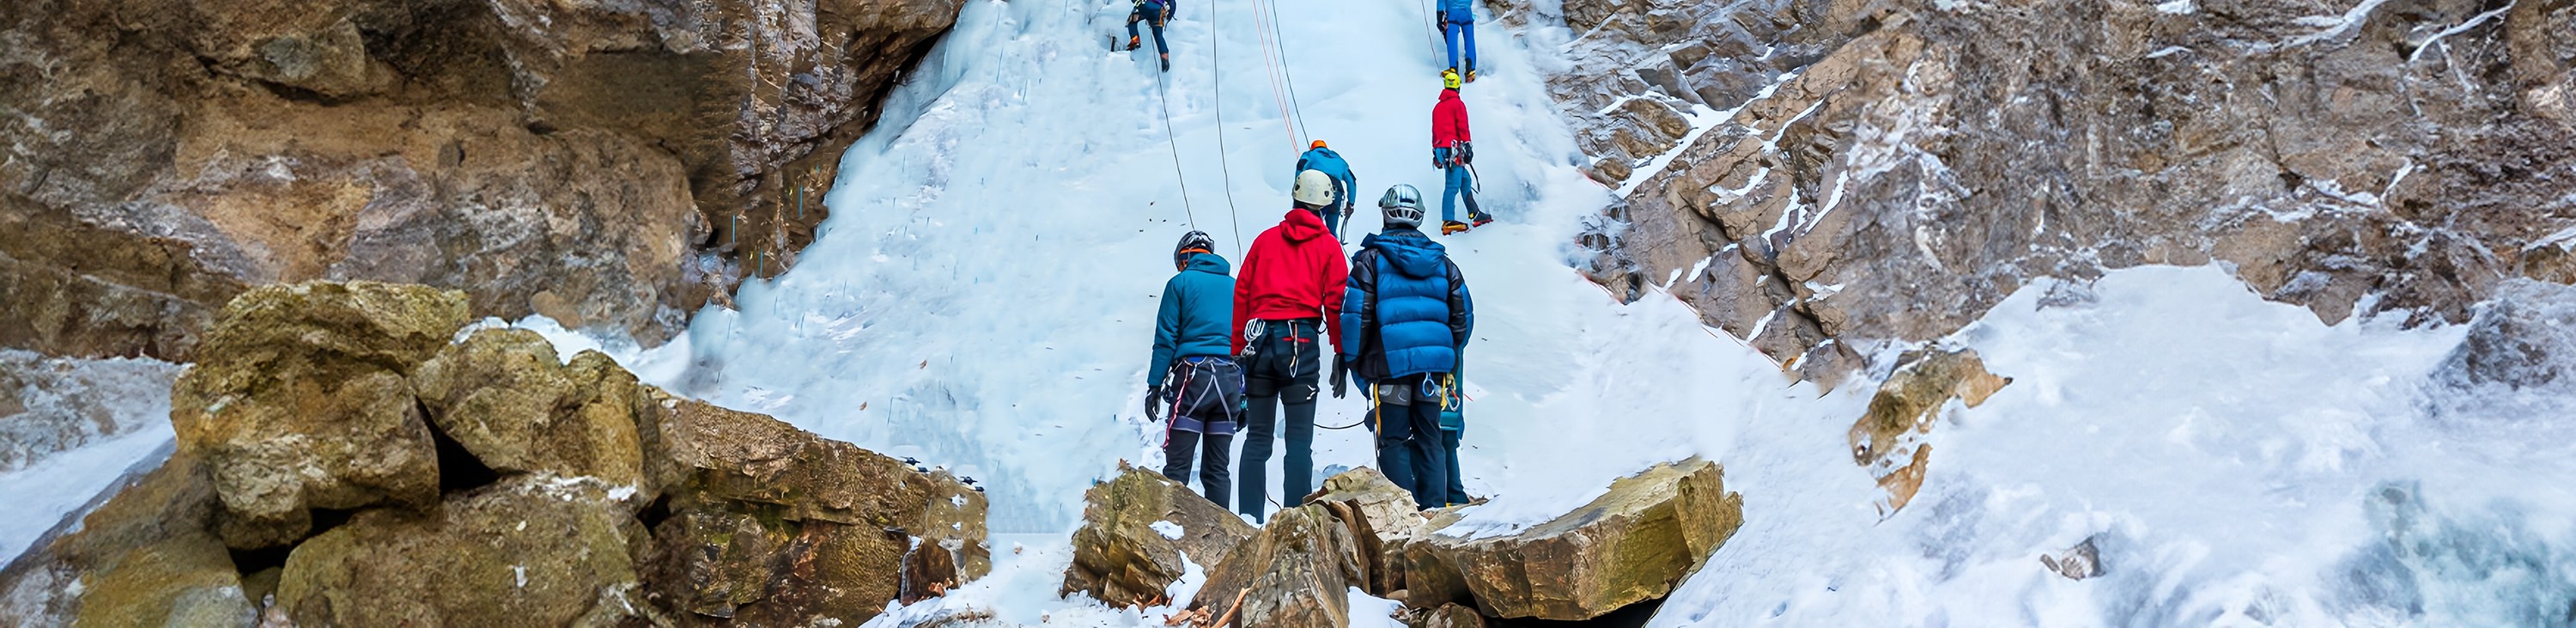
(1216, 75)
(1434, 36)
(1162, 90)
(1265, 17)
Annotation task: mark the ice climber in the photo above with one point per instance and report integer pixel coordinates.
(1288, 294)
(1408, 308)
(1458, 23)
(1153, 13)
(1450, 153)
(1193, 375)
(1321, 158)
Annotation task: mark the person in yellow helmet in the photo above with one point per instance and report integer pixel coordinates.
(1322, 159)
(1450, 153)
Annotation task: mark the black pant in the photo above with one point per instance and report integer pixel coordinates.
(1285, 365)
(1411, 449)
(1214, 482)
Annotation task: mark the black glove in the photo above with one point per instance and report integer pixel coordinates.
(1341, 380)
(1154, 403)
(1466, 152)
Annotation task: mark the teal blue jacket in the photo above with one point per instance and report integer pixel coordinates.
(1197, 315)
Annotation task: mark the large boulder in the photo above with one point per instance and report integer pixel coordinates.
(504, 397)
(299, 402)
(1383, 518)
(1634, 543)
(1138, 533)
(1296, 573)
(765, 524)
(533, 550)
(142, 558)
(1888, 440)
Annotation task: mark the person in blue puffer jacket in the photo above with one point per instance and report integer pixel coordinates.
(1193, 376)
(1408, 308)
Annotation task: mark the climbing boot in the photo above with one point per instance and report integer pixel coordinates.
(1452, 227)
(1481, 218)
(1471, 75)
(1133, 43)
(1167, 62)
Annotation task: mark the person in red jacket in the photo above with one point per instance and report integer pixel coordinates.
(1450, 153)
(1287, 299)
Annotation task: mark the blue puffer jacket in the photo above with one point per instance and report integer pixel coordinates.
(1458, 10)
(1198, 309)
(1412, 309)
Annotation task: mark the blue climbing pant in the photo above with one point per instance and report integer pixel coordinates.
(1410, 449)
(1151, 13)
(1460, 185)
(1452, 30)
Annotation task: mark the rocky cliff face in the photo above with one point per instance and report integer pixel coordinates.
(1834, 179)
(610, 164)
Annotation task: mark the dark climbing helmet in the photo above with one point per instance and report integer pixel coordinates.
(1403, 206)
(1192, 242)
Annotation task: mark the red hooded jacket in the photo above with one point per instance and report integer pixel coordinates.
(1294, 270)
(1449, 120)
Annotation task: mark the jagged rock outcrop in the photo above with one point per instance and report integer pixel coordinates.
(1382, 518)
(1296, 573)
(50, 405)
(1873, 175)
(299, 403)
(1139, 531)
(534, 549)
(567, 494)
(612, 165)
(1888, 440)
(767, 524)
(1447, 616)
(1634, 543)
(2517, 361)
(146, 557)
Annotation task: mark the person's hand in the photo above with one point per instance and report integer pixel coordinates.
(1341, 380)
(1154, 403)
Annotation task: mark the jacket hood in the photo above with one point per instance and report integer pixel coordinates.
(1210, 263)
(1409, 252)
(1448, 94)
(1301, 225)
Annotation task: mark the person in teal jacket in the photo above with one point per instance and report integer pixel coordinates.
(1193, 376)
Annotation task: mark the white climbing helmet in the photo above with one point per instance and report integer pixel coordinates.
(1314, 188)
(1403, 206)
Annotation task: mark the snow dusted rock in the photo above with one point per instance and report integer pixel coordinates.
(1634, 543)
(1888, 439)
(1382, 519)
(1447, 616)
(49, 405)
(142, 558)
(1137, 529)
(2518, 361)
(1869, 175)
(1297, 573)
(504, 397)
(532, 550)
(299, 402)
(2076, 563)
(610, 164)
(766, 524)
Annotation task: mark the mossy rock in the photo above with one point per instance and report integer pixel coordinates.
(503, 395)
(531, 550)
(1634, 543)
(1118, 555)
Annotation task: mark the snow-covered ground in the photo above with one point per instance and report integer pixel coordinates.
(983, 293)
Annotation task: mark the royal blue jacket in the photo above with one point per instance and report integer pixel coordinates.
(1198, 309)
(1462, 11)
(1408, 304)
(1331, 164)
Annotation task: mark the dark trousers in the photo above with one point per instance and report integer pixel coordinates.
(1283, 369)
(1457, 481)
(1214, 480)
(1152, 15)
(1412, 450)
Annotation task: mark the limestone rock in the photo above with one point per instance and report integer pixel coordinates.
(141, 558)
(531, 550)
(1296, 573)
(1636, 542)
(1448, 616)
(53, 404)
(503, 396)
(1888, 439)
(300, 402)
(612, 165)
(1382, 518)
(1137, 529)
(770, 525)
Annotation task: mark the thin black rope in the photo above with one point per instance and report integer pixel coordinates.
(1216, 76)
(1162, 90)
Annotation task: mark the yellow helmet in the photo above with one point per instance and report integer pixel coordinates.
(1449, 78)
